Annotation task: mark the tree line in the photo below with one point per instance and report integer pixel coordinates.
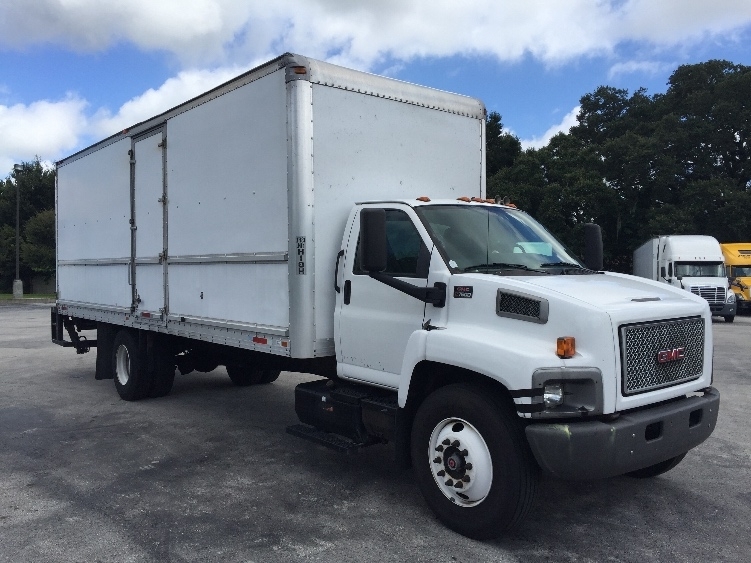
(35, 187)
(638, 165)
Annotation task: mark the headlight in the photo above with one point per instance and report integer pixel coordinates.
(567, 392)
(731, 297)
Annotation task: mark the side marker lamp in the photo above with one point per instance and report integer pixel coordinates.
(566, 347)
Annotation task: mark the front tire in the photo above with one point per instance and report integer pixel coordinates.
(472, 462)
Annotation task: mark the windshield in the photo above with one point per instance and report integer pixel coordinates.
(700, 269)
(483, 237)
(741, 271)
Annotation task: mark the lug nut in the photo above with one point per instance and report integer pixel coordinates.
(437, 460)
(439, 449)
(459, 485)
(450, 483)
(465, 478)
(455, 443)
(465, 453)
(468, 467)
(446, 442)
(441, 473)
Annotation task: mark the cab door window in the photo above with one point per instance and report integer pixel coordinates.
(406, 253)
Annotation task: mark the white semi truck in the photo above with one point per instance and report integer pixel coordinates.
(305, 217)
(694, 263)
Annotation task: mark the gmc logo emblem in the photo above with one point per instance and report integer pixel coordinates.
(664, 356)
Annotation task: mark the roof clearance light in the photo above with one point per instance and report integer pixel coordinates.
(463, 198)
(566, 347)
(423, 198)
(299, 70)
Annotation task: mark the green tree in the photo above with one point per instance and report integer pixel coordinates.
(36, 191)
(501, 148)
(38, 246)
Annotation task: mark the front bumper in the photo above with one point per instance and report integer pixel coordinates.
(726, 310)
(638, 439)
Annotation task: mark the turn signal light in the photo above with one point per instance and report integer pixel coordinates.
(566, 347)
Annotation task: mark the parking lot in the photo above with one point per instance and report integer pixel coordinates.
(209, 474)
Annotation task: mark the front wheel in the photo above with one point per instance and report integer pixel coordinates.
(472, 462)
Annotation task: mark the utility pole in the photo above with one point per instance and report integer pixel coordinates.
(18, 283)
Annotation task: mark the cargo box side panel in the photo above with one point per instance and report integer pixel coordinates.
(371, 148)
(93, 229)
(227, 207)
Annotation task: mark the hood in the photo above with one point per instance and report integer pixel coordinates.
(609, 291)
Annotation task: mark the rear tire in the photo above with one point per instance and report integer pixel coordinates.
(242, 375)
(131, 380)
(729, 318)
(164, 371)
(657, 468)
(472, 462)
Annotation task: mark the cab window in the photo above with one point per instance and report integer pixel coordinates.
(406, 254)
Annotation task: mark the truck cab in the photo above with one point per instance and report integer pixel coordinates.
(738, 269)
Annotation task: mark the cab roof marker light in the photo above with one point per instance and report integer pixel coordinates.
(565, 347)
(463, 198)
(423, 198)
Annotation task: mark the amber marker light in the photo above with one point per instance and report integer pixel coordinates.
(565, 347)
(423, 198)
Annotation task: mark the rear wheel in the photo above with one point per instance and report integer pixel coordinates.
(657, 468)
(131, 381)
(471, 461)
(729, 318)
(164, 371)
(242, 375)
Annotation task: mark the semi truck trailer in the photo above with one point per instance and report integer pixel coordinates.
(305, 217)
(693, 263)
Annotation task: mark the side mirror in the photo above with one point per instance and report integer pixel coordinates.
(593, 246)
(373, 240)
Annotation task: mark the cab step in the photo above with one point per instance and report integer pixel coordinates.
(333, 441)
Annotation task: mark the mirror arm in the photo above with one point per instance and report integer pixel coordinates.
(435, 295)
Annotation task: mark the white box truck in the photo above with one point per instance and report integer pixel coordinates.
(694, 263)
(305, 217)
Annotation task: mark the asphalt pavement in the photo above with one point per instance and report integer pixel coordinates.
(209, 474)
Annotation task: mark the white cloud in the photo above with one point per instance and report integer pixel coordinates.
(639, 67)
(228, 33)
(568, 121)
(361, 34)
(186, 85)
(42, 128)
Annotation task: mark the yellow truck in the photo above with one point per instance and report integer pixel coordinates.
(738, 267)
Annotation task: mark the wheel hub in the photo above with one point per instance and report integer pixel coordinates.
(460, 462)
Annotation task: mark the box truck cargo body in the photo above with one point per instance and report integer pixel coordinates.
(305, 217)
(691, 262)
(738, 268)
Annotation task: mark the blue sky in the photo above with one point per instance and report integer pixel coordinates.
(72, 73)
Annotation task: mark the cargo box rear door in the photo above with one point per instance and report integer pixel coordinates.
(149, 218)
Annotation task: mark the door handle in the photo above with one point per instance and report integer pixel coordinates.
(336, 272)
(347, 292)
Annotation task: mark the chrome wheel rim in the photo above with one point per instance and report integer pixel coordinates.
(122, 365)
(460, 462)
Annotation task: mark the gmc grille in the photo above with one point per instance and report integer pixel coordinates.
(642, 343)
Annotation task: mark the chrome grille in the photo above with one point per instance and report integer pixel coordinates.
(710, 293)
(516, 305)
(641, 344)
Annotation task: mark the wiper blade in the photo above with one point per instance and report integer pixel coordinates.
(564, 264)
(501, 265)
